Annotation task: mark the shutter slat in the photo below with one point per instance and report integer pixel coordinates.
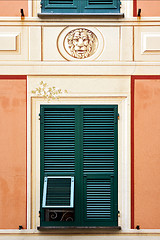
(61, 6)
(98, 160)
(58, 191)
(59, 140)
(100, 2)
(61, 2)
(98, 199)
(98, 140)
(101, 6)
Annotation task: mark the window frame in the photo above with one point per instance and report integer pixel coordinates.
(45, 193)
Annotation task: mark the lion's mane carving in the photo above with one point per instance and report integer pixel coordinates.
(81, 43)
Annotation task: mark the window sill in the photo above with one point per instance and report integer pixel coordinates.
(77, 15)
(81, 230)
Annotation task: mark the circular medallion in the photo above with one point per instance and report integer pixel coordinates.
(81, 43)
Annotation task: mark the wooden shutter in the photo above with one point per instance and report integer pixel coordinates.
(99, 197)
(60, 6)
(81, 6)
(100, 165)
(81, 141)
(58, 140)
(101, 6)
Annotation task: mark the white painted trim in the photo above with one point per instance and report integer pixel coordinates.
(77, 64)
(144, 36)
(30, 8)
(62, 21)
(152, 68)
(131, 232)
(29, 43)
(123, 141)
(28, 160)
(126, 206)
(127, 8)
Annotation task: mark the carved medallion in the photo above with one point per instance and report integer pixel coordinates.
(81, 43)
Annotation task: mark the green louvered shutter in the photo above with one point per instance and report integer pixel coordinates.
(80, 6)
(101, 6)
(59, 141)
(100, 165)
(60, 6)
(57, 154)
(82, 141)
(99, 197)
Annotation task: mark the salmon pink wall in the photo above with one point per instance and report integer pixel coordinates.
(12, 153)
(147, 153)
(12, 8)
(149, 8)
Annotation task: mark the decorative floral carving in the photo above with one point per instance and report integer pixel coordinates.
(80, 43)
(48, 92)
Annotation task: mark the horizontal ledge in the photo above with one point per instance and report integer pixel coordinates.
(77, 15)
(74, 229)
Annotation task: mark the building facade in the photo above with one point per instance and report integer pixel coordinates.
(79, 103)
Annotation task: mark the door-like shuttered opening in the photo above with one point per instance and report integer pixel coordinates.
(79, 143)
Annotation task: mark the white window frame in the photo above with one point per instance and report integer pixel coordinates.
(45, 193)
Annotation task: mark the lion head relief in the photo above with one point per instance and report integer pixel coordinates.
(81, 43)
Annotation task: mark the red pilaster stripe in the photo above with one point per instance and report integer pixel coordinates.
(132, 151)
(13, 77)
(134, 8)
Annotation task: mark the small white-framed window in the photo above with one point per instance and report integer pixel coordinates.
(58, 192)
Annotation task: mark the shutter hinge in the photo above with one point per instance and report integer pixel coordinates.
(39, 116)
(120, 4)
(39, 214)
(118, 213)
(116, 118)
(41, 4)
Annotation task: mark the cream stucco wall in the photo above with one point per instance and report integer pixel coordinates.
(30, 47)
(85, 90)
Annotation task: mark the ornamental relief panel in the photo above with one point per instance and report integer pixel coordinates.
(80, 43)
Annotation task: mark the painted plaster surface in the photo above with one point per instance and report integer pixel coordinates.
(78, 237)
(83, 90)
(147, 154)
(12, 8)
(149, 8)
(12, 154)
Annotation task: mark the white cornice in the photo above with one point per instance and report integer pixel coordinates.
(79, 69)
(71, 21)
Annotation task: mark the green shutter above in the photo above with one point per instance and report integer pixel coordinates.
(101, 6)
(99, 2)
(61, 2)
(81, 6)
(60, 6)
